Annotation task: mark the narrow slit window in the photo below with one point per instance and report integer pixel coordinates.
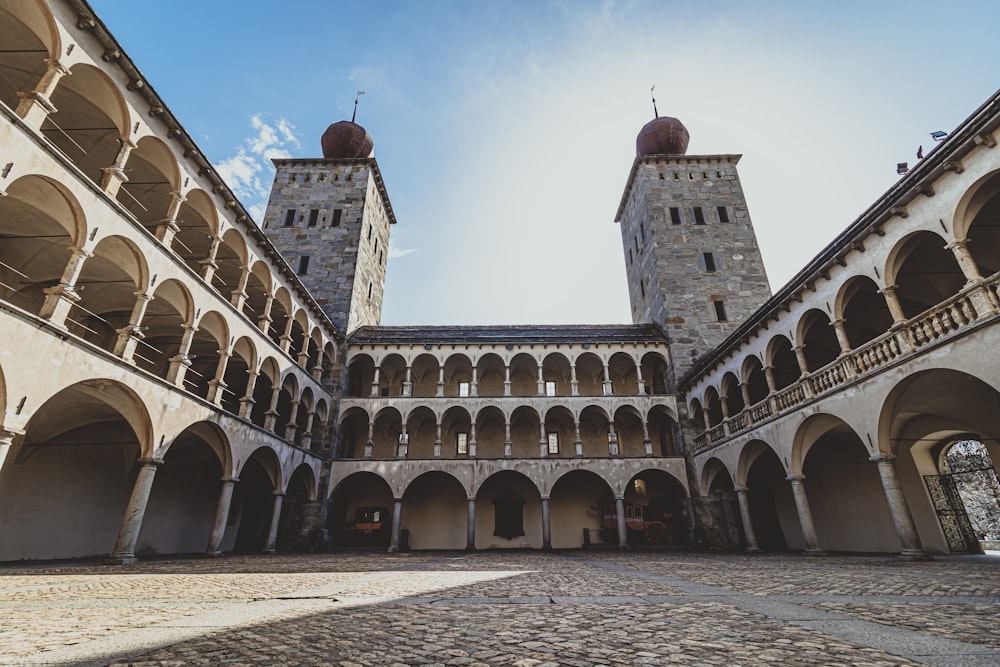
(369, 290)
(289, 218)
(723, 214)
(699, 215)
(642, 288)
(303, 265)
(720, 311)
(337, 213)
(313, 217)
(709, 262)
(635, 240)
(675, 215)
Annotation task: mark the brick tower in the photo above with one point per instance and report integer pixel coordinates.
(691, 254)
(330, 219)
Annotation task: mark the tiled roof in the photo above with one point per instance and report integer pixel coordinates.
(517, 334)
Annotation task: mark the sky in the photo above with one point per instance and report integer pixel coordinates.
(505, 131)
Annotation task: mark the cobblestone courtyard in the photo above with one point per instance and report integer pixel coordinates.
(526, 609)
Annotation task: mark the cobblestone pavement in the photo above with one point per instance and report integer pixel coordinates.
(524, 609)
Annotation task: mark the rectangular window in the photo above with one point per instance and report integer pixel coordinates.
(630, 255)
(462, 443)
(370, 232)
(642, 230)
(550, 388)
(463, 389)
(609, 388)
(642, 288)
(675, 215)
(720, 311)
(369, 290)
(699, 216)
(723, 214)
(303, 265)
(337, 213)
(289, 218)
(553, 442)
(709, 262)
(635, 240)
(313, 217)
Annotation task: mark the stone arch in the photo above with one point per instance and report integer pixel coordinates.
(297, 524)
(755, 379)
(656, 509)
(258, 289)
(863, 309)
(697, 414)
(523, 375)
(818, 339)
(31, 37)
(198, 224)
(525, 431)
(575, 504)
(237, 376)
(662, 428)
(455, 421)
(623, 374)
(268, 376)
(457, 370)
(780, 356)
(490, 432)
(590, 374)
(595, 425)
(508, 512)
(354, 424)
(388, 427)
(556, 368)
(720, 511)
(656, 373)
(435, 512)
(421, 429)
(366, 496)
(713, 403)
(153, 177)
(360, 375)
(924, 272)
(230, 258)
(731, 395)
(977, 222)
(559, 421)
(769, 497)
(425, 372)
(253, 499)
(392, 375)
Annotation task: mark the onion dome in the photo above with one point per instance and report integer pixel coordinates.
(662, 136)
(346, 139)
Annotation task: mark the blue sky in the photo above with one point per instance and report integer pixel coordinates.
(505, 131)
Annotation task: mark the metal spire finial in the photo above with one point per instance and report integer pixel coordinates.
(355, 114)
(655, 112)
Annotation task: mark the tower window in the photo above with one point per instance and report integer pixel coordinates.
(289, 218)
(642, 288)
(635, 240)
(699, 215)
(337, 213)
(553, 439)
(642, 230)
(313, 217)
(675, 215)
(303, 265)
(461, 443)
(723, 214)
(630, 255)
(370, 232)
(369, 290)
(709, 261)
(720, 310)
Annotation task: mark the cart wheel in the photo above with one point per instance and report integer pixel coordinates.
(657, 533)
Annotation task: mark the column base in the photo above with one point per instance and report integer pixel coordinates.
(213, 554)
(470, 548)
(121, 559)
(393, 550)
(269, 552)
(753, 550)
(814, 552)
(624, 547)
(915, 555)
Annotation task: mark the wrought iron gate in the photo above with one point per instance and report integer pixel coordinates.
(951, 514)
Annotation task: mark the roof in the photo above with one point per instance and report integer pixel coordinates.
(517, 334)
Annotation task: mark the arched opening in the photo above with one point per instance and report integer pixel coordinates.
(490, 433)
(622, 375)
(575, 509)
(360, 513)
(595, 431)
(698, 416)
(864, 311)
(714, 405)
(421, 429)
(39, 223)
(197, 222)
(319, 442)
(732, 395)
(772, 507)
(281, 306)
(353, 434)
(523, 375)
(508, 512)
(253, 501)
(457, 375)
(107, 287)
(360, 376)
(456, 433)
(983, 231)
(67, 481)
(784, 365)
(720, 524)
(298, 335)
(306, 402)
(299, 522)
(756, 380)
(655, 373)
(392, 375)
(258, 288)
(289, 392)
(153, 175)
(166, 316)
(388, 427)
(560, 434)
(435, 513)
(206, 346)
(628, 428)
(819, 340)
(425, 372)
(230, 259)
(185, 492)
(662, 428)
(490, 375)
(556, 375)
(525, 432)
(263, 391)
(90, 122)
(925, 273)
(28, 42)
(656, 510)
(237, 376)
(590, 374)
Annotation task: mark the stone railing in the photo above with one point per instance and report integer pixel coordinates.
(975, 302)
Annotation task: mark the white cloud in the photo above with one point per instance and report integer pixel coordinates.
(249, 172)
(395, 253)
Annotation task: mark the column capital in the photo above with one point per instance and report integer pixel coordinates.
(151, 462)
(277, 493)
(617, 498)
(796, 478)
(740, 489)
(471, 499)
(545, 499)
(230, 479)
(882, 457)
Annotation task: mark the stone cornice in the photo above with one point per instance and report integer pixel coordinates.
(369, 161)
(669, 159)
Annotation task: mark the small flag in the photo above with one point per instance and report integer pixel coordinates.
(920, 153)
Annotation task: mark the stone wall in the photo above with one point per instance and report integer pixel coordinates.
(681, 263)
(333, 212)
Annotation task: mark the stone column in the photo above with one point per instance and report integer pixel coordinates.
(845, 345)
(305, 438)
(901, 517)
(113, 176)
(221, 517)
(470, 538)
(440, 387)
(612, 440)
(546, 524)
(292, 426)
(745, 393)
(541, 380)
(800, 357)
(408, 383)
(640, 383)
(606, 387)
(577, 441)
(474, 385)
(647, 444)
(370, 442)
(239, 295)
(285, 341)
(769, 376)
(271, 416)
(506, 379)
(751, 534)
(437, 442)
(272, 533)
(965, 261)
(130, 335)
(128, 533)
(397, 511)
(895, 307)
(507, 444)
(61, 298)
(247, 401)
(264, 323)
(180, 362)
(217, 385)
(402, 444)
(7, 443)
(35, 106)
(805, 515)
(209, 265)
(574, 384)
(166, 229)
(472, 440)
(543, 441)
(622, 529)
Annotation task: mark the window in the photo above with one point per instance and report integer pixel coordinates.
(370, 232)
(313, 217)
(553, 442)
(369, 290)
(550, 388)
(462, 443)
(720, 311)
(723, 213)
(709, 261)
(303, 265)
(642, 288)
(675, 215)
(630, 255)
(642, 230)
(635, 240)
(699, 215)
(609, 389)
(463, 389)
(289, 218)
(337, 213)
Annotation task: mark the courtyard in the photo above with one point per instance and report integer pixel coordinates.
(526, 609)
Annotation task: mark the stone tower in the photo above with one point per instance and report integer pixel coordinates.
(330, 219)
(691, 254)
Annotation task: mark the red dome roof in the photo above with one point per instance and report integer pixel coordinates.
(662, 136)
(346, 140)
